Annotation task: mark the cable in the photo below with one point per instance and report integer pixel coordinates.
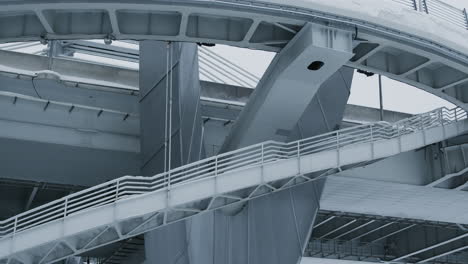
(34, 86)
(165, 115)
(171, 51)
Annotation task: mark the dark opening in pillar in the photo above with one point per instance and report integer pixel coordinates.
(316, 65)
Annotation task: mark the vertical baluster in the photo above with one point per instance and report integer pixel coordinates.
(216, 175)
(117, 190)
(263, 154)
(65, 209)
(399, 138)
(338, 149)
(15, 226)
(439, 117)
(465, 13)
(299, 157)
(424, 6)
(169, 179)
(263, 160)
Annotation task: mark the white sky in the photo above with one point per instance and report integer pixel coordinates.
(397, 96)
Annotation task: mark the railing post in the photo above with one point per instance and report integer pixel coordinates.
(372, 132)
(66, 208)
(263, 154)
(424, 6)
(466, 17)
(216, 175)
(298, 157)
(440, 116)
(415, 6)
(338, 149)
(15, 225)
(169, 179)
(263, 160)
(399, 138)
(117, 190)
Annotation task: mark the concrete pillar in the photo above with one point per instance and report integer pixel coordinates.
(167, 245)
(186, 116)
(296, 76)
(325, 112)
(271, 229)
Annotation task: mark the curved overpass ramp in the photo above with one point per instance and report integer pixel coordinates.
(129, 206)
(391, 38)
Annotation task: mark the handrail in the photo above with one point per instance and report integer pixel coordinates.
(255, 155)
(438, 9)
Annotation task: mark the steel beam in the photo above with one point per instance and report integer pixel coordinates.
(373, 230)
(431, 247)
(31, 198)
(354, 229)
(338, 228)
(453, 251)
(393, 233)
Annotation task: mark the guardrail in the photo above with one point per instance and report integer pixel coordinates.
(440, 10)
(255, 155)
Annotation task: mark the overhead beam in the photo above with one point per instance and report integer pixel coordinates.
(431, 247)
(325, 221)
(453, 251)
(41, 120)
(393, 233)
(355, 229)
(31, 198)
(373, 230)
(338, 228)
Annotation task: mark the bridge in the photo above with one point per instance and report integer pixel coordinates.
(236, 168)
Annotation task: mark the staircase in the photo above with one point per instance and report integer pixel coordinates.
(129, 206)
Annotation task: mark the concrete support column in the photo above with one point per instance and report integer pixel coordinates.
(185, 127)
(182, 125)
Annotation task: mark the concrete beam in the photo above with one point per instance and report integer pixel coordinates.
(28, 118)
(69, 70)
(290, 83)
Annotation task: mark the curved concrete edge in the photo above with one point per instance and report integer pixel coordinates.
(390, 14)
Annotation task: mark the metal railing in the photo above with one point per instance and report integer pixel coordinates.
(439, 9)
(255, 155)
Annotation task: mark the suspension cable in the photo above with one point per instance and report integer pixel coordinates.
(171, 55)
(166, 105)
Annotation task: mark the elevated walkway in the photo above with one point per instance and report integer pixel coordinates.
(129, 206)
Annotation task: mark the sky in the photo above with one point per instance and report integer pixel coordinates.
(397, 96)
